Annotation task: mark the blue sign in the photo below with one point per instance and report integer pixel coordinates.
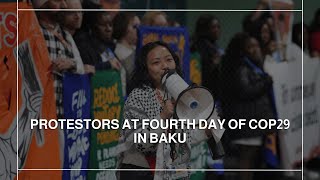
(76, 101)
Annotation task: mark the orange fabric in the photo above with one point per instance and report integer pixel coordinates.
(8, 76)
(8, 94)
(47, 156)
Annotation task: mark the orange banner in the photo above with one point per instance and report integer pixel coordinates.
(8, 91)
(38, 149)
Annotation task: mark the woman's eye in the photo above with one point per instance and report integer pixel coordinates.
(155, 62)
(170, 59)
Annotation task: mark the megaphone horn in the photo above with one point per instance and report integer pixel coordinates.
(192, 102)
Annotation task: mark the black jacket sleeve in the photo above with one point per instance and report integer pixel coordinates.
(249, 85)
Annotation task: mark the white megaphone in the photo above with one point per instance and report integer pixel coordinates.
(192, 102)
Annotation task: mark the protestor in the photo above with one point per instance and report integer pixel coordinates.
(265, 35)
(32, 147)
(59, 45)
(207, 32)
(155, 18)
(204, 42)
(261, 25)
(252, 20)
(315, 35)
(246, 95)
(125, 26)
(71, 22)
(147, 101)
(95, 42)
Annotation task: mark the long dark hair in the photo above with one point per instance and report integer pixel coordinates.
(140, 76)
(203, 24)
(120, 24)
(230, 64)
(90, 17)
(233, 57)
(202, 30)
(236, 49)
(259, 37)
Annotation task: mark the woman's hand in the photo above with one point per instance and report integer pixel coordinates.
(89, 69)
(62, 64)
(168, 109)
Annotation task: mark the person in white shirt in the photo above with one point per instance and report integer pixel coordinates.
(125, 32)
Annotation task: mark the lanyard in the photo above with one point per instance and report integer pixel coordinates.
(254, 67)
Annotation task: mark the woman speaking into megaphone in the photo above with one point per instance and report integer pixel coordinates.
(148, 100)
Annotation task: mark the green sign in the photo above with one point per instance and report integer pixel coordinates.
(107, 103)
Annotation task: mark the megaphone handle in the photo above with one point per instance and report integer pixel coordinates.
(216, 149)
(173, 151)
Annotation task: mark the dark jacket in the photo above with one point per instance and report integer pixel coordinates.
(246, 95)
(90, 48)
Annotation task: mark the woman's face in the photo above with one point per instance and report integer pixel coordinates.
(253, 51)
(132, 30)
(159, 60)
(265, 34)
(104, 27)
(214, 29)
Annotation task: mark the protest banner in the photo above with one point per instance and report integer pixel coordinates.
(287, 77)
(176, 38)
(8, 78)
(107, 103)
(76, 102)
(35, 98)
(287, 88)
(311, 104)
(8, 91)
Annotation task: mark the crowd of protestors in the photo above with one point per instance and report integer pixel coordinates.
(85, 42)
